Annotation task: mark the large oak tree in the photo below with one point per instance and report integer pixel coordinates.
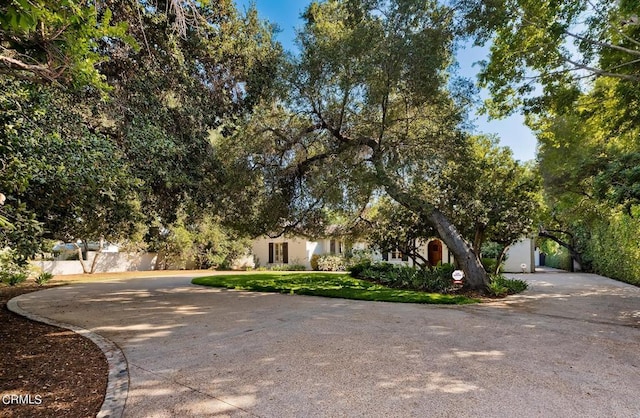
(365, 107)
(114, 123)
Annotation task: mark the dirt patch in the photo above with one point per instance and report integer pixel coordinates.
(47, 371)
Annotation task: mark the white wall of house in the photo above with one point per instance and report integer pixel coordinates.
(314, 247)
(521, 252)
(323, 246)
(107, 263)
(299, 250)
(243, 263)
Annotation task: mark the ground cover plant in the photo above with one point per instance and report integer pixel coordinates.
(435, 279)
(67, 371)
(501, 286)
(432, 279)
(43, 278)
(328, 285)
(288, 267)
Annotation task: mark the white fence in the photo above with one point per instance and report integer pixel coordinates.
(107, 263)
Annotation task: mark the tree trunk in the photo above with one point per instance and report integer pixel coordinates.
(500, 259)
(81, 258)
(478, 239)
(94, 263)
(475, 275)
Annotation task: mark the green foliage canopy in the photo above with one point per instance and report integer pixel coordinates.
(368, 109)
(56, 171)
(57, 40)
(541, 53)
(80, 166)
(573, 68)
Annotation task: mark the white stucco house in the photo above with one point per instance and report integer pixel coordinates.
(299, 250)
(433, 250)
(293, 250)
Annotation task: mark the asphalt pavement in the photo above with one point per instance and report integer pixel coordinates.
(567, 347)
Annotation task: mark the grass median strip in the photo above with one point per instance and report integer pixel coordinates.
(328, 285)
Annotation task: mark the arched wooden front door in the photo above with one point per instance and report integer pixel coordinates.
(434, 250)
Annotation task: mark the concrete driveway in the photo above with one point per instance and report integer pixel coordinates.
(568, 347)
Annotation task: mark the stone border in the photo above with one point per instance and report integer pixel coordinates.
(118, 379)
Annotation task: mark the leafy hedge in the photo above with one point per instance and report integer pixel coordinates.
(614, 249)
(436, 279)
(610, 247)
(288, 267)
(558, 258)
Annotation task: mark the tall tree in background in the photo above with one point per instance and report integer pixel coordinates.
(590, 171)
(368, 107)
(81, 164)
(490, 195)
(62, 181)
(573, 67)
(555, 46)
(171, 96)
(391, 227)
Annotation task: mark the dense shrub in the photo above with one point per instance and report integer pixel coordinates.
(355, 257)
(330, 262)
(436, 279)
(356, 269)
(314, 262)
(202, 243)
(12, 270)
(501, 286)
(444, 270)
(489, 265)
(377, 271)
(433, 280)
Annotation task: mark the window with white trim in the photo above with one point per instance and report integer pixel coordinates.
(278, 253)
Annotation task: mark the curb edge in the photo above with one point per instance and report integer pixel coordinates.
(117, 391)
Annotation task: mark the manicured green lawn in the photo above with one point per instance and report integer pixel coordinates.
(328, 285)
